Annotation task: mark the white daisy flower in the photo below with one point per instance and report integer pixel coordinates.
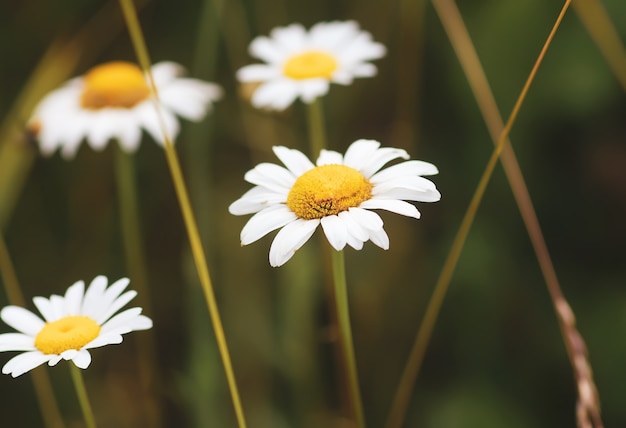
(112, 101)
(337, 192)
(72, 324)
(302, 64)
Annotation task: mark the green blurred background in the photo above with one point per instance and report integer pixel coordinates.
(496, 358)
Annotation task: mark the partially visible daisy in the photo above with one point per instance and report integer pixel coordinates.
(112, 101)
(337, 192)
(71, 325)
(302, 64)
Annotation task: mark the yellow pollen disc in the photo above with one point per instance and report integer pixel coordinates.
(114, 84)
(67, 333)
(328, 190)
(310, 65)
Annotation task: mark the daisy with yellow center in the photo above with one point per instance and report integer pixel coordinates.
(302, 64)
(337, 192)
(112, 101)
(72, 324)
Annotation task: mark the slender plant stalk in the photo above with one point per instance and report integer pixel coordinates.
(126, 180)
(190, 223)
(41, 381)
(574, 343)
(345, 332)
(81, 392)
(416, 356)
(317, 127)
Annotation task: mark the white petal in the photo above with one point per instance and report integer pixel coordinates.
(275, 94)
(104, 340)
(151, 121)
(129, 136)
(367, 219)
(16, 342)
(360, 152)
(127, 321)
(408, 194)
(82, 359)
(165, 71)
(22, 320)
(271, 176)
(266, 221)
(190, 98)
(380, 238)
(411, 182)
(393, 205)
(258, 73)
(294, 160)
(310, 89)
(380, 158)
(115, 306)
(291, 39)
(92, 302)
(57, 304)
(266, 50)
(329, 157)
(104, 126)
(408, 168)
(360, 70)
(357, 234)
(45, 307)
(331, 35)
(336, 231)
(22, 363)
(289, 239)
(54, 359)
(69, 354)
(361, 48)
(74, 298)
(255, 200)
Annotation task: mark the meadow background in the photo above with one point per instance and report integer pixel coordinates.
(496, 358)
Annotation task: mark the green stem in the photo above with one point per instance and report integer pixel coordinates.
(130, 15)
(129, 217)
(81, 392)
(422, 339)
(125, 174)
(345, 332)
(317, 128)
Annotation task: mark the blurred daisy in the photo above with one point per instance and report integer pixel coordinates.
(74, 323)
(337, 192)
(302, 64)
(112, 101)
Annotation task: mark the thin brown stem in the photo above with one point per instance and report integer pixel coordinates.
(411, 371)
(455, 28)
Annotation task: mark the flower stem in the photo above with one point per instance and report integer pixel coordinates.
(81, 392)
(199, 257)
(345, 332)
(589, 413)
(416, 357)
(125, 175)
(41, 381)
(317, 128)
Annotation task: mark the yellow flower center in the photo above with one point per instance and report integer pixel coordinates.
(310, 65)
(67, 333)
(114, 84)
(328, 190)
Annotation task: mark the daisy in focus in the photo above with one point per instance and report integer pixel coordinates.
(338, 192)
(113, 101)
(71, 325)
(302, 64)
